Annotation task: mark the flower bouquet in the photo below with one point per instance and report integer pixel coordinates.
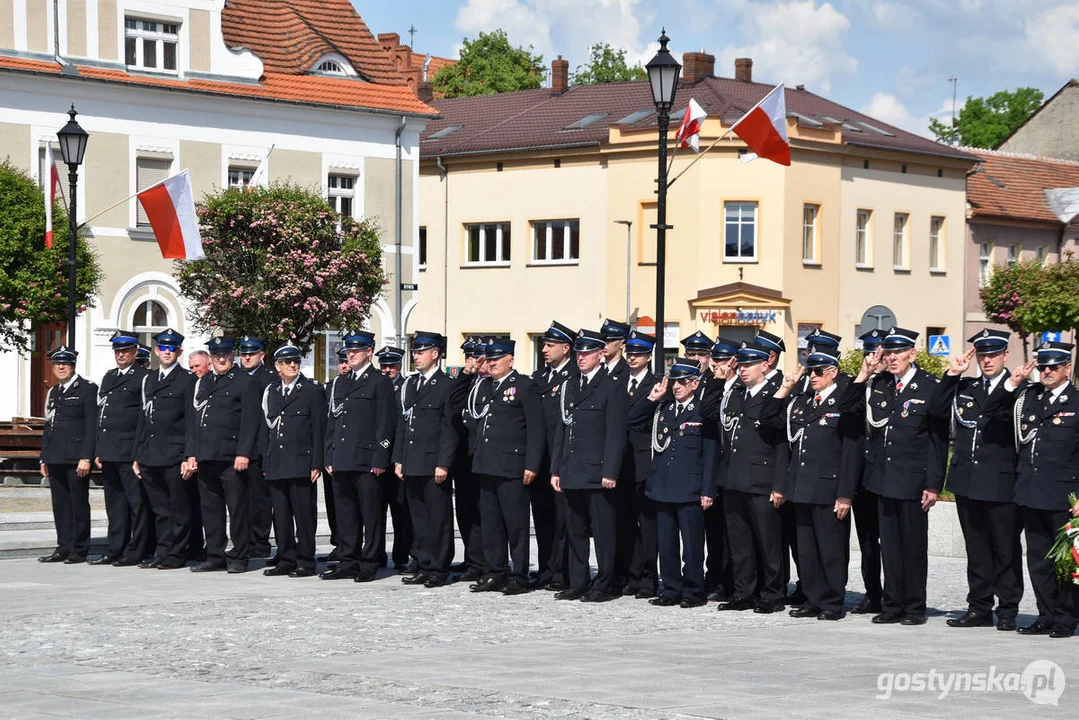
(1065, 550)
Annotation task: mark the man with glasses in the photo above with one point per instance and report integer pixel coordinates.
(394, 497)
(982, 477)
(866, 512)
(1045, 417)
(260, 507)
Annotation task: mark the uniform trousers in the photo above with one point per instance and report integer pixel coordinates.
(904, 547)
(994, 554)
(504, 509)
(823, 555)
(128, 511)
(645, 546)
(431, 507)
(790, 544)
(167, 494)
(196, 538)
(466, 494)
(331, 511)
(70, 508)
(295, 517)
(593, 509)
(719, 570)
(361, 521)
(682, 577)
(756, 541)
(1056, 598)
(221, 488)
(541, 498)
(260, 509)
(864, 507)
(395, 500)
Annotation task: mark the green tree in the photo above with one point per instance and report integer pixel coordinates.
(986, 122)
(850, 362)
(488, 65)
(281, 264)
(1007, 294)
(606, 65)
(33, 278)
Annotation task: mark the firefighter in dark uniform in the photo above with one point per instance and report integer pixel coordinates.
(327, 479)
(359, 439)
(982, 477)
(549, 509)
(67, 447)
(614, 335)
(1045, 418)
(163, 443)
(142, 357)
(587, 456)
(906, 452)
(698, 346)
(394, 495)
(638, 551)
(294, 413)
(681, 480)
(466, 487)
(119, 404)
(226, 438)
(260, 507)
(821, 477)
(719, 570)
(423, 451)
(866, 512)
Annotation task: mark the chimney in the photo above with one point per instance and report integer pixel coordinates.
(743, 69)
(425, 92)
(559, 76)
(697, 66)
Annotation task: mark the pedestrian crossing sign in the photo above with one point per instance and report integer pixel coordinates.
(940, 345)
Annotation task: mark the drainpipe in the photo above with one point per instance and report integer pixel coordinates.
(445, 248)
(66, 68)
(399, 324)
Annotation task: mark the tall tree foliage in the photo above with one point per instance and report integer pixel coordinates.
(489, 64)
(986, 122)
(606, 65)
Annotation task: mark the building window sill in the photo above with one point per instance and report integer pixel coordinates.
(553, 263)
(903, 270)
(863, 266)
(142, 233)
(740, 261)
(937, 271)
(467, 266)
(811, 263)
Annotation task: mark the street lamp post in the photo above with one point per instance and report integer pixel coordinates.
(629, 258)
(663, 71)
(72, 148)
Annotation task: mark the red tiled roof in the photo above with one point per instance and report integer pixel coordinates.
(1013, 186)
(290, 35)
(307, 89)
(537, 118)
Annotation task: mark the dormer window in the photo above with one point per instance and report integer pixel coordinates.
(331, 67)
(334, 65)
(150, 44)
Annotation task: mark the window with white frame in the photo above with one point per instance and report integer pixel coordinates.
(985, 263)
(151, 317)
(240, 176)
(149, 171)
(488, 243)
(899, 241)
(810, 234)
(863, 241)
(421, 249)
(1013, 253)
(740, 231)
(1041, 253)
(936, 244)
(341, 193)
(556, 241)
(150, 44)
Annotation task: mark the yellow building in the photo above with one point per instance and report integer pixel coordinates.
(537, 205)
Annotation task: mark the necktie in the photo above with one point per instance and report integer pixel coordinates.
(899, 387)
(680, 409)
(286, 390)
(550, 375)
(584, 381)
(161, 377)
(816, 400)
(419, 382)
(985, 385)
(633, 387)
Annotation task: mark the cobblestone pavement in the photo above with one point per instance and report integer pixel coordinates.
(87, 642)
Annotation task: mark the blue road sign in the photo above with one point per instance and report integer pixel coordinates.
(1050, 336)
(940, 345)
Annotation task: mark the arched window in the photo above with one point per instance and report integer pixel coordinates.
(151, 317)
(333, 64)
(331, 67)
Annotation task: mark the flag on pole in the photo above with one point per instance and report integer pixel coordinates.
(51, 182)
(764, 128)
(170, 207)
(261, 176)
(689, 132)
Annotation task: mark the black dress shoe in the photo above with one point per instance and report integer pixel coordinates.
(830, 615)
(488, 584)
(302, 572)
(104, 560)
(125, 562)
(434, 581)
(473, 573)
(598, 596)
(237, 568)
(75, 559)
(365, 576)
(767, 608)
(644, 594)
(913, 620)
(170, 564)
(737, 604)
(260, 552)
(413, 567)
(1006, 624)
(417, 579)
(277, 571)
(329, 557)
(151, 563)
(516, 587)
(804, 611)
(973, 618)
(718, 596)
(1036, 628)
(57, 556)
(887, 618)
(866, 607)
(555, 586)
(664, 601)
(206, 566)
(688, 603)
(629, 591)
(339, 573)
(1062, 631)
(570, 594)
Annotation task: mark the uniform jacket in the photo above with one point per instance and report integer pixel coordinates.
(685, 471)
(509, 431)
(295, 429)
(263, 376)
(638, 454)
(119, 403)
(166, 424)
(618, 371)
(425, 437)
(465, 432)
(227, 416)
(755, 453)
(396, 384)
(70, 423)
(359, 433)
(983, 452)
(548, 390)
(907, 454)
(591, 446)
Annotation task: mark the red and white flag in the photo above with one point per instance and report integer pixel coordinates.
(170, 207)
(689, 132)
(261, 176)
(51, 183)
(764, 128)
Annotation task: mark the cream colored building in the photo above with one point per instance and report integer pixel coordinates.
(524, 199)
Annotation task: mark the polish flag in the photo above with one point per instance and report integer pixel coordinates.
(261, 176)
(764, 128)
(689, 132)
(50, 192)
(170, 207)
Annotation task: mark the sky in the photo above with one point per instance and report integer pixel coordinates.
(891, 59)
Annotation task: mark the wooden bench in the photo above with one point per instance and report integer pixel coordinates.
(20, 448)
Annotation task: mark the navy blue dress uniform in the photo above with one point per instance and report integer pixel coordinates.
(982, 477)
(227, 419)
(1046, 427)
(549, 509)
(612, 331)
(327, 478)
(466, 488)
(589, 446)
(719, 569)
(753, 464)
(510, 438)
(906, 453)
(866, 511)
(681, 473)
(425, 440)
(260, 504)
(142, 357)
(164, 440)
(294, 416)
(359, 439)
(824, 466)
(68, 439)
(119, 401)
(394, 493)
(637, 547)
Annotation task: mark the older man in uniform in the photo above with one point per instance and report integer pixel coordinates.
(394, 495)
(866, 512)
(119, 404)
(67, 447)
(614, 335)
(198, 362)
(327, 479)
(588, 453)
(260, 506)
